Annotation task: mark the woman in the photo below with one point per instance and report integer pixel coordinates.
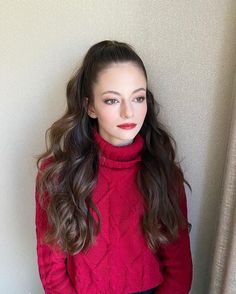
(111, 210)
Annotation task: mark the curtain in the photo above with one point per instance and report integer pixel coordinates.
(223, 275)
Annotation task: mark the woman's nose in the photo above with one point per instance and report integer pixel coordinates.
(127, 110)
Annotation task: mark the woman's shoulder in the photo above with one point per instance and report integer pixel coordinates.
(45, 162)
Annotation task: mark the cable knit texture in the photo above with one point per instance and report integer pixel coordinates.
(120, 261)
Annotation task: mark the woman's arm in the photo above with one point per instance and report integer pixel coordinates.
(177, 260)
(51, 264)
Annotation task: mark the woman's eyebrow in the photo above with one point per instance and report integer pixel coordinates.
(117, 93)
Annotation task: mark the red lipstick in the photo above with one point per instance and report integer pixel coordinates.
(127, 126)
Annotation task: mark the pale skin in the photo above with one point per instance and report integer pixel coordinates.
(119, 97)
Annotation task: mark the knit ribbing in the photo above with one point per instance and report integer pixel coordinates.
(120, 156)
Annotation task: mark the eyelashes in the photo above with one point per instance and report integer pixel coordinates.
(111, 101)
(140, 99)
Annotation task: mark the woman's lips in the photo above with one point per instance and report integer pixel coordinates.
(127, 126)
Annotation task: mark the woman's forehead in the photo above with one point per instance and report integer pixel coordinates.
(120, 75)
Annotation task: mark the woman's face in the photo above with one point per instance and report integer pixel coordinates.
(119, 98)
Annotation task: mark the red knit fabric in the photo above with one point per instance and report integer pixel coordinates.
(120, 262)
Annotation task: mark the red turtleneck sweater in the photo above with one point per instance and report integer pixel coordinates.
(120, 262)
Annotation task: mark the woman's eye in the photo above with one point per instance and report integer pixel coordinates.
(140, 99)
(111, 101)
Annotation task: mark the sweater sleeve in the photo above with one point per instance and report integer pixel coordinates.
(51, 263)
(176, 259)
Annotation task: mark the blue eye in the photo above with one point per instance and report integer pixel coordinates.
(140, 99)
(110, 101)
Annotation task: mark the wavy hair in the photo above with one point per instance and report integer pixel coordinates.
(68, 169)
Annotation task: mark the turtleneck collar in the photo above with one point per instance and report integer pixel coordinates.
(119, 156)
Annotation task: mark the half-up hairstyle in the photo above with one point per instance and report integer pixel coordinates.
(68, 169)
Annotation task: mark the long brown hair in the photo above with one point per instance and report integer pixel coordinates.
(69, 167)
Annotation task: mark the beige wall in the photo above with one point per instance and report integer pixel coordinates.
(189, 51)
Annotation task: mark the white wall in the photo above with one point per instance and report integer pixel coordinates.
(189, 51)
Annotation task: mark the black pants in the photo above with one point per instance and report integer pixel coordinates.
(150, 291)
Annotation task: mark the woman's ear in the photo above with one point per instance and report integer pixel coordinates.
(90, 109)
